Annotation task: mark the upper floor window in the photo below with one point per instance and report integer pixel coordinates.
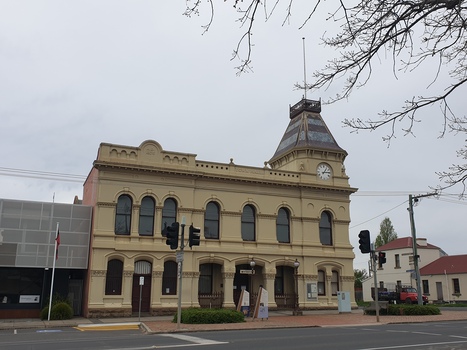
(248, 223)
(113, 277)
(397, 261)
(211, 221)
(169, 212)
(146, 217)
(325, 230)
(283, 226)
(123, 215)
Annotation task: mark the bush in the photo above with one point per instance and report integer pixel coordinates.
(406, 309)
(61, 309)
(210, 316)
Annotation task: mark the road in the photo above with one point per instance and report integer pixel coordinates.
(426, 336)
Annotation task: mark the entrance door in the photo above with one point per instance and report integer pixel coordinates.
(142, 270)
(439, 291)
(242, 281)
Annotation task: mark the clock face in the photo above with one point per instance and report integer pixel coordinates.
(324, 172)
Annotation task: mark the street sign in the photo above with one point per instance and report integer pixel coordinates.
(141, 280)
(179, 256)
(247, 272)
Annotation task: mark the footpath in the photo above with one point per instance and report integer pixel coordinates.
(276, 319)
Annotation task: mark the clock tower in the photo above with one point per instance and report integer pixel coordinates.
(308, 146)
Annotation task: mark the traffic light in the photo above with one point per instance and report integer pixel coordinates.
(194, 236)
(171, 232)
(364, 241)
(381, 259)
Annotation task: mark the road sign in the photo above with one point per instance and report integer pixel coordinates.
(247, 272)
(141, 280)
(179, 256)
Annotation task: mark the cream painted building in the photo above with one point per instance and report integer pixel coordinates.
(255, 223)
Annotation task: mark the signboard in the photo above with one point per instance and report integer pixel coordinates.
(312, 291)
(244, 303)
(179, 257)
(247, 272)
(141, 280)
(29, 299)
(261, 307)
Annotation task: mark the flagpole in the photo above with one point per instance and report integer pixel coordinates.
(53, 274)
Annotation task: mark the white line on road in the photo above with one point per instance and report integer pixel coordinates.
(414, 345)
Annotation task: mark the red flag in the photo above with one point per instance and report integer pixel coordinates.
(57, 240)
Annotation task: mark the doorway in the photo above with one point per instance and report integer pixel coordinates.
(141, 286)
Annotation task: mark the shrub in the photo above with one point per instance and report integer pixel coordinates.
(406, 309)
(60, 311)
(210, 316)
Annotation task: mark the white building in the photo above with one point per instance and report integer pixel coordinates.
(399, 267)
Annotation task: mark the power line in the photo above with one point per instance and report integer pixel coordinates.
(43, 175)
(377, 216)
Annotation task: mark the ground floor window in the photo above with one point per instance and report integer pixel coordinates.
(456, 286)
(169, 278)
(113, 277)
(426, 288)
(19, 285)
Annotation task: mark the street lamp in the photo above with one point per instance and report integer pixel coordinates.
(252, 265)
(296, 310)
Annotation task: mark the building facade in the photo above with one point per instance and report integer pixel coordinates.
(399, 266)
(256, 222)
(445, 279)
(27, 254)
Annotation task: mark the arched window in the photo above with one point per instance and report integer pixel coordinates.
(325, 230)
(211, 221)
(335, 282)
(248, 223)
(146, 217)
(123, 215)
(283, 226)
(169, 212)
(321, 282)
(113, 277)
(169, 278)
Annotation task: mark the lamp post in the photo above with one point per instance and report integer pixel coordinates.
(296, 311)
(252, 265)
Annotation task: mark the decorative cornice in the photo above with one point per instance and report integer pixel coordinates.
(128, 273)
(229, 275)
(284, 179)
(106, 204)
(98, 273)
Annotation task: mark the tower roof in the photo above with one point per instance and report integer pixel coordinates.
(306, 130)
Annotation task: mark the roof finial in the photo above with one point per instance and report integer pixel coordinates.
(304, 66)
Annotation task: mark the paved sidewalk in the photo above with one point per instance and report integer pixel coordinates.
(277, 319)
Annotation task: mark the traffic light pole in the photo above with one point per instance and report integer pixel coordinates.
(180, 272)
(373, 261)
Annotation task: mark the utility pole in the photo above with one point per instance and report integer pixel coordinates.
(413, 199)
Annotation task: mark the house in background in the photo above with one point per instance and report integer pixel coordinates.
(399, 266)
(444, 279)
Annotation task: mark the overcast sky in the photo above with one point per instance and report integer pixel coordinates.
(74, 74)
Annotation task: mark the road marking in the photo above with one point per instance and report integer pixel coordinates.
(196, 340)
(458, 336)
(426, 333)
(414, 345)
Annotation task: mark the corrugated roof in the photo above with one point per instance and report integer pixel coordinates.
(450, 264)
(404, 242)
